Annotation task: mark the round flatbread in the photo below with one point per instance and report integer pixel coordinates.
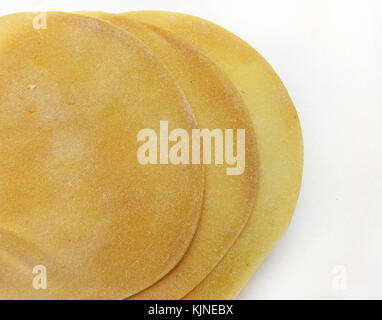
(279, 146)
(216, 105)
(77, 208)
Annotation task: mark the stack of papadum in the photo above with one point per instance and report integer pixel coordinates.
(144, 155)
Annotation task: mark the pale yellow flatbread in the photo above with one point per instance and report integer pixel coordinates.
(73, 197)
(279, 146)
(216, 104)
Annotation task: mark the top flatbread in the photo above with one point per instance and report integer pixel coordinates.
(73, 197)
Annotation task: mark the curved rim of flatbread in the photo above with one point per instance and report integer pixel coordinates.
(279, 142)
(228, 200)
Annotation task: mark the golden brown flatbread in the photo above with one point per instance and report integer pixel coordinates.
(73, 197)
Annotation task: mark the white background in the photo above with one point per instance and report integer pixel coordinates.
(328, 54)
